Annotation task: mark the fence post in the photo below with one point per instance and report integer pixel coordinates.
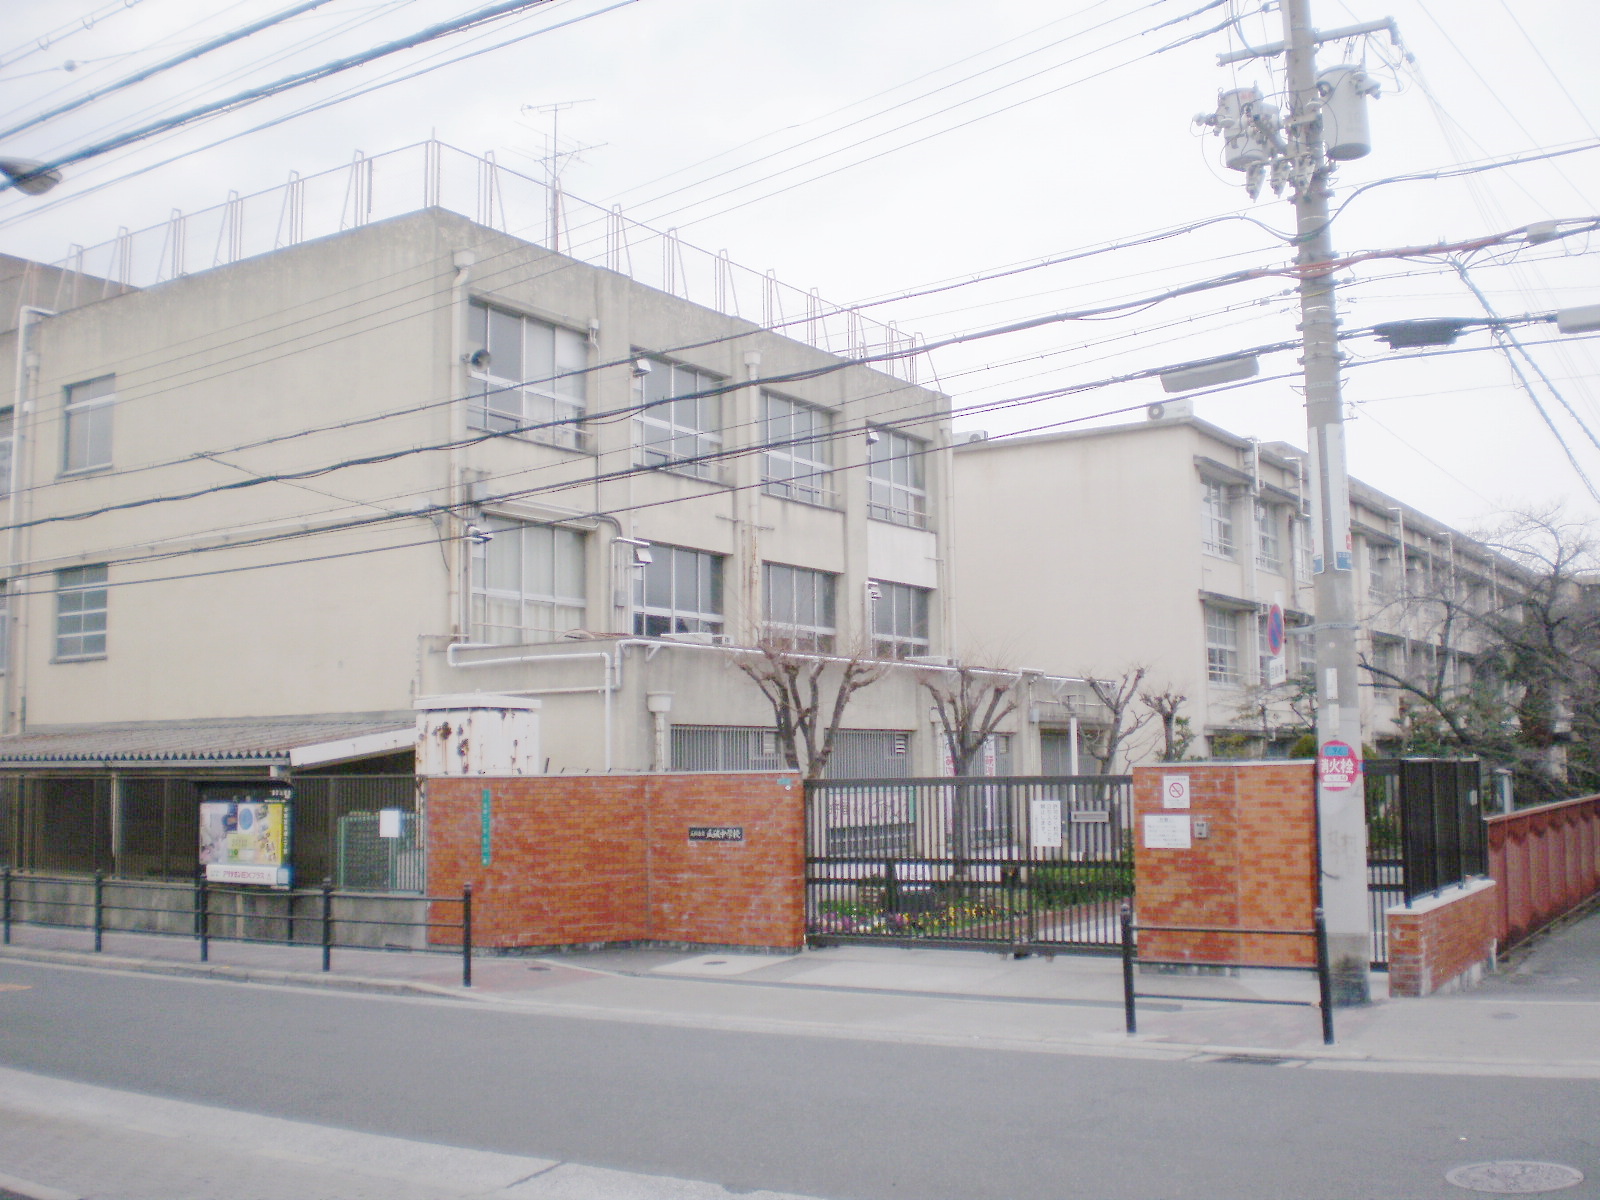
(1127, 969)
(1324, 979)
(202, 915)
(327, 924)
(5, 902)
(466, 935)
(99, 908)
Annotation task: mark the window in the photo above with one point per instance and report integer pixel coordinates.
(679, 429)
(899, 620)
(1379, 582)
(1269, 541)
(1222, 645)
(1218, 516)
(678, 591)
(800, 606)
(896, 490)
(535, 377)
(527, 583)
(799, 454)
(87, 441)
(81, 613)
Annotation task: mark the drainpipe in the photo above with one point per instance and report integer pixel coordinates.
(16, 663)
(458, 554)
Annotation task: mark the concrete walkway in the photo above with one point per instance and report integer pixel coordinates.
(1539, 1015)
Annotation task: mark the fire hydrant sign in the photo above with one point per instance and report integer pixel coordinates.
(1338, 766)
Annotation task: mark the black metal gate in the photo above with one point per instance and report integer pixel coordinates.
(969, 862)
(1424, 832)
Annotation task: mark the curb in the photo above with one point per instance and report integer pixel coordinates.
(33, 1191)
(331, 981)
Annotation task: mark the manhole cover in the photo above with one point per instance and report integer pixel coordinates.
(1514, 1178)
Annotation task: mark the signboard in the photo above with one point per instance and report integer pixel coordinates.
(1338, 766)
(1164, 831)
(486, 827)
(244, 836)
(716, 833)
(1174, 791)
(1045, 821)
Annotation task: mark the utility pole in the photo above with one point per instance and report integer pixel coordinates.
(1293, 153)
(1341, 811)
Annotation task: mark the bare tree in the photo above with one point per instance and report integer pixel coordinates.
(1176, 735)
(793, 683)
(1117, 695)
(1514, 672)
(971, 702)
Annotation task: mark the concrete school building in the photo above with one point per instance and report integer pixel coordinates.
(1168, 545)
(256, 511)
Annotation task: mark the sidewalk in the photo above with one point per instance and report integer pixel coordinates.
(1538, 1016)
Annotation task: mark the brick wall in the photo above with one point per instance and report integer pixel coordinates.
(607, 858)
(1256, 869)
(1437, 941)
(1546, 861)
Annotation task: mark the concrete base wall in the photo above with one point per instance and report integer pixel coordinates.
(714, 860)
(376, 921)
(1443, 942)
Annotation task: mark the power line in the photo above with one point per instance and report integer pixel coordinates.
(298, 79)
(167, 64)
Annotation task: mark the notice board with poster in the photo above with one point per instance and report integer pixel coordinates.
(244, 834)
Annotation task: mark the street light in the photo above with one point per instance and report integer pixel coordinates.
(28, 176)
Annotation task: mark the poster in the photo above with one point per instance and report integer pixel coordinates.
(244, 838)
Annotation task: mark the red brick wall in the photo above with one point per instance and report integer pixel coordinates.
(1255, 870)
(1438, 940)
(1546, 861)
(607, 858)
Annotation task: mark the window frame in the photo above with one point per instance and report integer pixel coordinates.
(86, 425)
(1217, 515)
(820, 633)
(483, 594)
(1269, 537)
(1223, 664)
(806, 478)
(667, 564)
(662, 414)
(77, 591)
(891, 638)
(539, 401)
(897, 481)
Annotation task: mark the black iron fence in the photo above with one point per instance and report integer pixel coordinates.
(1001, 861)
(147, 827)
(314, 918)
(1131, 958)
(1425, 832)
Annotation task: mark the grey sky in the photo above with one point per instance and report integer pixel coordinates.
(920, 177)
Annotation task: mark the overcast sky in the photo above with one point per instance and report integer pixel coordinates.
(871, 148)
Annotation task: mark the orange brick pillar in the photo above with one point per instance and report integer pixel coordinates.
(1229, 846)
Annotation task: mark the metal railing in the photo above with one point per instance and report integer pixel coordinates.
(1130, 957)
(316, 929)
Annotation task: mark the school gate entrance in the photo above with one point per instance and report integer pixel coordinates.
(969, 862)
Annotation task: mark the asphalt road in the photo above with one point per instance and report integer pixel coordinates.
(809, 1115)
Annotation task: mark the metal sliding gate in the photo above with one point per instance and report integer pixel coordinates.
(975, 861)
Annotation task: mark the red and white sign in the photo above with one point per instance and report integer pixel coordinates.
(1338, 766)
(1174, 791)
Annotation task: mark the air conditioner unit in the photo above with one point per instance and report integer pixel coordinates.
(1169, 410)
(699, 639)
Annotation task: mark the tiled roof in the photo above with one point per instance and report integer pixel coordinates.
(238, 741)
